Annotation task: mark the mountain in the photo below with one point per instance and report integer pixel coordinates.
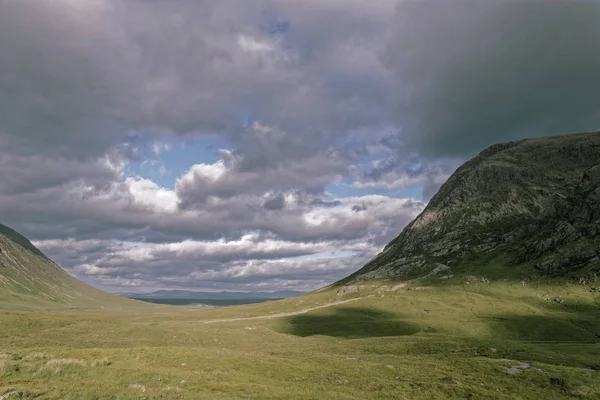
(29, 279)
(190, 294)
(532, 206)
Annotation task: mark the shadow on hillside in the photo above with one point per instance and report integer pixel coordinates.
(350, 323)
(564, 328)
(565, 321)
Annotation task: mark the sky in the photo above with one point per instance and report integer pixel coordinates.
(269, 144)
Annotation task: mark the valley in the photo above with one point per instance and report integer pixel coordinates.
(493, 292)
(427, 340)
(299, 200)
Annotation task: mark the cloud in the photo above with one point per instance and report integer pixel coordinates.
(359, 208)
(22, 174)
(253, 45)
(57, 80)
(342, 241)
(275, 203)
(140, 208)
(318, 202)
(315, 103)
(231, 176)
(452, 77)
(112, 68)
(471, 73)
(394, 164)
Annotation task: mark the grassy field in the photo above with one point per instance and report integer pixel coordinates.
(458, 339)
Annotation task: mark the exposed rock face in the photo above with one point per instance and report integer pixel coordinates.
(534, 201)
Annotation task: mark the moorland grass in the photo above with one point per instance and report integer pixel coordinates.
(448, 340)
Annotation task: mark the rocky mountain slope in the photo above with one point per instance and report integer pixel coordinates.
(533, 203)
(29, 279)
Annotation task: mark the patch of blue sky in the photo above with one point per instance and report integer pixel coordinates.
(273, 24)
(174, 158)
(278, 28)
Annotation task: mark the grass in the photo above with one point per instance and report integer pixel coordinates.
(349, 323)
(453, 341)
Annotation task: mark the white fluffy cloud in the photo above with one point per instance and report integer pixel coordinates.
(231, 176)
(336, 240)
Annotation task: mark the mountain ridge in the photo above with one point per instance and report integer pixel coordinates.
(21, 240)
(533, 201)
(31, 280)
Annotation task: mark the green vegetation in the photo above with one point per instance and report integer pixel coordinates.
(19, 239)
(458, 339)
(31, 281)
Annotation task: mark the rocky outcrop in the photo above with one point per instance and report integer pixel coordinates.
(533, 202)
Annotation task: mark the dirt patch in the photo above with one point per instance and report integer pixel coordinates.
(15, 394)
(347, 290)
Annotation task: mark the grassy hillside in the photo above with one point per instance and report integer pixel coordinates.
(30, 280)
(429, 339)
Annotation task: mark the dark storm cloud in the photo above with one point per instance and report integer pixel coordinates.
(78, 76)
(455, 76)
(59, 94)
(470, 73)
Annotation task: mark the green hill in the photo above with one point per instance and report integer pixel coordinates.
(30, 280)
(532, 206)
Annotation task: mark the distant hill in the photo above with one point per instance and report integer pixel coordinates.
(532, 205)
(191, 294)
(29, 279)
